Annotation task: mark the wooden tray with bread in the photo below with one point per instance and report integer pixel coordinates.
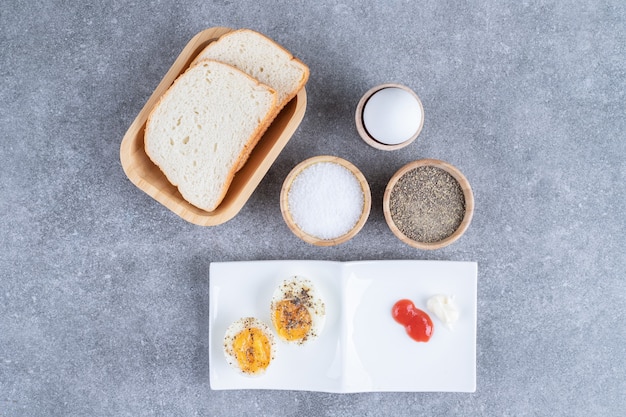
(157, 134)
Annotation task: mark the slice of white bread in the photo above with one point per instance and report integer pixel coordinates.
(202, 128)
(261, 58)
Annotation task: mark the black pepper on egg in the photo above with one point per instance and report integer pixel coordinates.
(297, 311)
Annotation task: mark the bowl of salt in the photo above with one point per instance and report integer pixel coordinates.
(325, 200)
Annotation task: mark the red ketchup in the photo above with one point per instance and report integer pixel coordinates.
(417, 323)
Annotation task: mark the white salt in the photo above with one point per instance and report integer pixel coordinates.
(326, 200)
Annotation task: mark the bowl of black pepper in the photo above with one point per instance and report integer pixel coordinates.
(428, 204)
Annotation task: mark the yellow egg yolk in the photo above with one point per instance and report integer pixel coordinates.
(292, 320)
(253, 350)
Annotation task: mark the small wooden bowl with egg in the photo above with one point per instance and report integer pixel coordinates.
(428, 204)
(389, 117)
(291, 210)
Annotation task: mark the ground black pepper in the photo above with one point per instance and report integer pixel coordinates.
(427, 204)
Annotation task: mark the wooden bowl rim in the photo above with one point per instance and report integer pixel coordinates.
(360, 126)
(467, 193)
(284, 200)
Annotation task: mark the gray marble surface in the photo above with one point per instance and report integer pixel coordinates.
(104, 293)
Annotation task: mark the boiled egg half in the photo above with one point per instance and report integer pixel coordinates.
(249, 346)
(298, 313)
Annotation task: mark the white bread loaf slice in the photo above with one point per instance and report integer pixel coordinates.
(261, 58)
(202, 128)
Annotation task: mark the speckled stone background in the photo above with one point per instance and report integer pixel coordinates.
(104, 299)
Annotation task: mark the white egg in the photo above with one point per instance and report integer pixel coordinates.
(249, 346)
(298, 313)
(392, 115)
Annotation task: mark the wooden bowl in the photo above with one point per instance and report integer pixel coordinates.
(284, 201)
(149, 178)
(369, 139)
(467, 193)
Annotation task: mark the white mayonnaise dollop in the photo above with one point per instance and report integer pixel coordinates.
(444, 308)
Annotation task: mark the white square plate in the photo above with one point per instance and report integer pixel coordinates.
(361, 348)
